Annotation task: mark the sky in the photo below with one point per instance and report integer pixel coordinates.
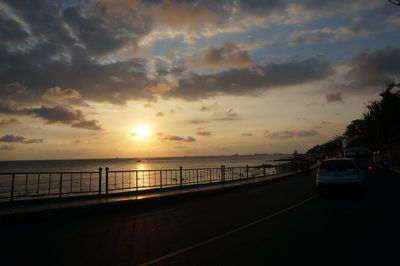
(162, 78)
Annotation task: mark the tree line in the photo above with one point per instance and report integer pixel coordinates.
(377, 130)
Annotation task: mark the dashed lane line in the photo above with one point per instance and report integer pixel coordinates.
(228, 233)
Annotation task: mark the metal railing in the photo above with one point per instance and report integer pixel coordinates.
(49, 184)
(17, 186)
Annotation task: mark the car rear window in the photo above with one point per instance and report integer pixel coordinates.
(341, 165)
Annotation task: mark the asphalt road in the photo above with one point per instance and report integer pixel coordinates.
(281, 223)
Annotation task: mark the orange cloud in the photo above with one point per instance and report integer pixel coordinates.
(58, 94)
(227, 55)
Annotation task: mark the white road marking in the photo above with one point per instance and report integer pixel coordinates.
(228, 233)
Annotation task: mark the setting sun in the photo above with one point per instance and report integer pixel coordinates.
(141, 132)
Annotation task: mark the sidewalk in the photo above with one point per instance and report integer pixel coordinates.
(9, 212)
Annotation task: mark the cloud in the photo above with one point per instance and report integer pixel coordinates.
(7, 147)
(395, 19)
(58, 94)
(175, 110)
(334, 97)
(370, 69)
(159, 114)
(328, 34)
(287, 134)
(250, 82)
(229, 55)
(306, 133)
(19, 139)
(75, 45)
(6, 122)
(230, 115)
(197, 121)
(179, 14)
(92, 47)
(87, 124)
(203, 133)
(8, 106)
(246, 134)
(62, 115)
(211, 107)
(164, 137)
(148, 106)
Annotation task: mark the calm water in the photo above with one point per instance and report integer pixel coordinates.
(136, 163)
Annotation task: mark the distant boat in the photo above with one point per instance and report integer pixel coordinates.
(139, 161)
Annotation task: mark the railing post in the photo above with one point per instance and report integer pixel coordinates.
(100, 172)
(60, 192)
(12, 187)
(107, 179)
(180, 174)
(247, 171)
(137, 180)
(160, 178)
(264, 170)
(222, 173)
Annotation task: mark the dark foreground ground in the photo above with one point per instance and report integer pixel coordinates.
(281, 223)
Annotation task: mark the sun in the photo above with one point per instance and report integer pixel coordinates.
(140, 132)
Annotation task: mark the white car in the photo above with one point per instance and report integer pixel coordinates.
(340, 173)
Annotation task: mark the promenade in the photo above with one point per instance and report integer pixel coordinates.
(275, 223)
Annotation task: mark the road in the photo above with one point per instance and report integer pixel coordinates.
(282, 223)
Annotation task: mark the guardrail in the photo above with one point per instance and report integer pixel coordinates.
(17, 186)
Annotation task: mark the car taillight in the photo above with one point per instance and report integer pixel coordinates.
(370, 167)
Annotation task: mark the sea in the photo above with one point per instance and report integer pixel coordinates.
(137, 163)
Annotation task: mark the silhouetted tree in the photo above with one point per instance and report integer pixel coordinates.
(382, 119)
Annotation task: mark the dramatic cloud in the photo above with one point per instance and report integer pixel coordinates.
(19, 139)
(229, 55)
(287, 134)
(6, 122)
(372, 68)
(62, 115)
(203, 133)
(90, 48)
(164, 137)
(334, 97)
(250, 81)
(68, 44)
(58, 94)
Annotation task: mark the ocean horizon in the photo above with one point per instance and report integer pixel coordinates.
(139, 163)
